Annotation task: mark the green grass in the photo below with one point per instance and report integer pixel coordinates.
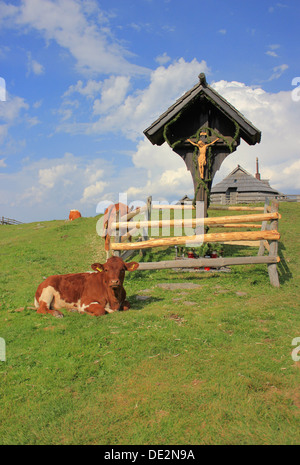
(187, 366)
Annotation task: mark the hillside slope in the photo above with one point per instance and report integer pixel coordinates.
(210, 364)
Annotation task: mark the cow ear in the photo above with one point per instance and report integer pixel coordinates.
(97, 267)
(131, 266)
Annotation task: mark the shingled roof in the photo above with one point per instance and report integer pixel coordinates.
(243, 181)
(248, 132)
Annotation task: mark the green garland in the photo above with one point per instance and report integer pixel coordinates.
(166, 127)
(209, 131)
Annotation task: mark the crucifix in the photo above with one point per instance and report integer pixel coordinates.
(201, 110)
(202, 152)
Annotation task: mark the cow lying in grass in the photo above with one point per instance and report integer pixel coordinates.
(94, 293)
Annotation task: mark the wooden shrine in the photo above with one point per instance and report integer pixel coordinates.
(203, 128)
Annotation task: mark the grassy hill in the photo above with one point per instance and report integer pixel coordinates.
(207, 365)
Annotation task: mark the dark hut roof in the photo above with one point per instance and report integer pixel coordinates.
(247, 131)
(185, 199)
(243, 182)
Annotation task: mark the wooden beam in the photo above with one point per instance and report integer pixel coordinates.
(241, 225)
(172, 207)
(194, 222)
(135, 212)
(243, 243)
(207, 262)
(199, 239)
(236, 208)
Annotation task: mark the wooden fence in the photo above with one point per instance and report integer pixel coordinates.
(9, 221)
(266, 238)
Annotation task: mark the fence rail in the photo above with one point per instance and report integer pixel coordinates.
(288, 198)
(5, 220)
(266, 238)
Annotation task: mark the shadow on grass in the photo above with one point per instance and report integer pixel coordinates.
(168, 253)
(139, 302)
(285, 273)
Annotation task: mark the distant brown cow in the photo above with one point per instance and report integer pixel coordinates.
(74, 214)
(110, 216)
(94, 293)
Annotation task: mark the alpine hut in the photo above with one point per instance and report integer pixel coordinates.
(241, 187)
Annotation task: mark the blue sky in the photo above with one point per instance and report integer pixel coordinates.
(85, 78)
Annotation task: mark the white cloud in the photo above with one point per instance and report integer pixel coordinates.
(163, 173)
(34, 66)
(91, 192)
(274, 46)
(277, 5)
(38, 103)
(222, 31)
(278, 71)
(79, 27)
(93, 176)
(11, 114)
(10, 109)
(139, 109)
(277, 116)
(2, 163)
(113, 93)
(271, 53)
(91, 88)
(3, 132)
(48, 177)
(49, 188)
(163, 59)
(157, 170)
(130, 115)
(66, 113)
(7, 12)
(32, 121)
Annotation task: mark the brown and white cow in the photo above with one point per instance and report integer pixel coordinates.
(94, 293)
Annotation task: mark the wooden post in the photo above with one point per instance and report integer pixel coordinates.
(261, 249)
(272, 268)
(149, 206)
(118, 234)
(109, 251)
(145, 234)
(129, 224)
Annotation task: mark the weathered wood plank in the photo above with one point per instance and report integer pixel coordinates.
(207, 262)
(135, 212)
(243, 243)
(172, 207)
(200, 239)
(194, 222)
(236, 208)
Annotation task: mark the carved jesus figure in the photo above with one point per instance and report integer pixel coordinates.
(202, 154)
